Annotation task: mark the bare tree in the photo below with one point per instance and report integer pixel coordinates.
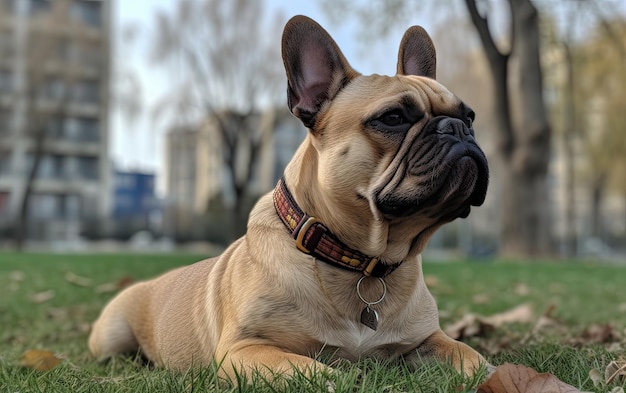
(227, 60)
(127, 90)
(523, 130)
(50, 86)
(601, 98)
(588, 55)
(570, 133)
(524, 145)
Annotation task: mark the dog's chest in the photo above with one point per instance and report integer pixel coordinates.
(355, 340)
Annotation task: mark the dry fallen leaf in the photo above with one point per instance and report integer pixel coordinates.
(114, 286)
(511, 378)
(616, 347)
(615, 370)
(546, 320)
(39, 360)
(481, 298)
(520, 314)
(544, 323)
(57, 313)
(475, 326)
(596, 377)
(42, 297)
(599, 334)
(17, 275)
(125, 281)
(469, 326)
(107, 287)
(75, 279)
(521, 289)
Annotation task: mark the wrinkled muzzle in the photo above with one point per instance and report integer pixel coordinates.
(445, 172)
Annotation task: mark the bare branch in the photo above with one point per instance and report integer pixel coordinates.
(609, 29)
(482, 27)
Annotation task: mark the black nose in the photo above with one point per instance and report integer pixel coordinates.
(455, 127)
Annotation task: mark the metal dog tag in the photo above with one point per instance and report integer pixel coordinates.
(369, 318)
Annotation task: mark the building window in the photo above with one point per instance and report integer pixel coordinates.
(88, 168)
(6, 81)
(125, 181)
(50, 167)
(124, 202)
(4, 202)
(86, 91)
(54, 88)
(5, 123)
(150, 183)
(44, 206)
(63, 49)
(5, 163)
(71, 167)
(6, 45)
(90, 55)
(39, 6)
(82, 129)
(54, 128)
(71, 208)
(88, 12)
(51, 206)
(75, 129)
(86, 54)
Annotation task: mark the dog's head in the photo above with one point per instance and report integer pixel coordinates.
(391, 158)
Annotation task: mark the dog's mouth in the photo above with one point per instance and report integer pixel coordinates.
(444, 176)
(464, 186)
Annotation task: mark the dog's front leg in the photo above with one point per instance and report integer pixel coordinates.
(439, 347)
(269, 361)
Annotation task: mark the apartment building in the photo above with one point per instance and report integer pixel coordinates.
(54, 78)
(195, 174)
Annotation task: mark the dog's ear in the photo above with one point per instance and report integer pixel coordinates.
(316, 68)
(417, 54)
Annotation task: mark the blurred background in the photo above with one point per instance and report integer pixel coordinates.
(155, 125)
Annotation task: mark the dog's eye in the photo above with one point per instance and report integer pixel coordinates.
(392, 119)
(392, 122)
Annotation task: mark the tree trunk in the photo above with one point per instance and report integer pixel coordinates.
(21, 227)
(240, 216)
(532, 134)
(569, 133)
(241, 142)
(525, 229)
(597, 194)
(523, 144)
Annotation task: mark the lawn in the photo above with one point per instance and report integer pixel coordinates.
(48, 301)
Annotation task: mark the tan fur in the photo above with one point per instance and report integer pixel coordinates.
(264, 305)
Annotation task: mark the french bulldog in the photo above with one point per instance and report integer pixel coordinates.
(331, 259)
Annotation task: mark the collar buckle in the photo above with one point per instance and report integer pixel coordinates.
(300, 231)
(370, 267)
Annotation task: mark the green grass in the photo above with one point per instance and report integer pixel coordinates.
(582, 294)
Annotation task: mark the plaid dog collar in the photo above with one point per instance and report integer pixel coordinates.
(313, 238)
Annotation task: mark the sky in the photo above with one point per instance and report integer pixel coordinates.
(140, 146)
